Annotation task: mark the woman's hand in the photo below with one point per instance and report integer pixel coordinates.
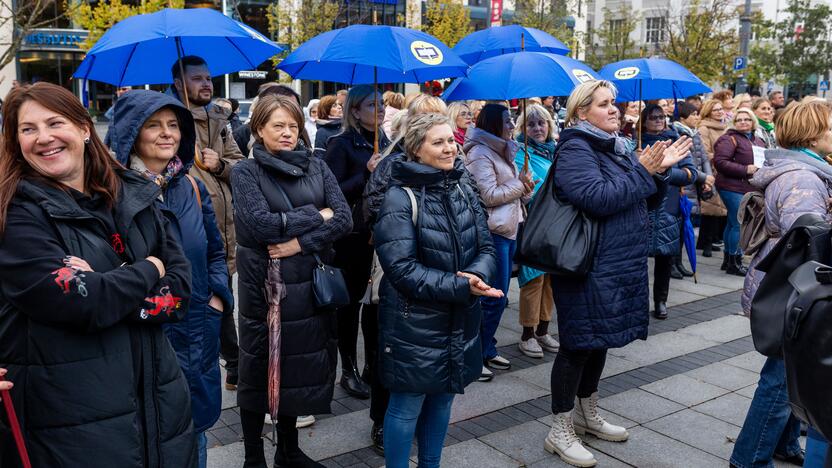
(285, 249)
(709, 183)
(215, 302)
(751, 169)
(5, 385)
(528, 182)
(651, 157)
(77, 263)
(326, 213)
(373, 162)
(676, 152)
(159, 265)
(478, 286)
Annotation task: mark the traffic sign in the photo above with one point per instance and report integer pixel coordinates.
(824, 85)
(740, 63)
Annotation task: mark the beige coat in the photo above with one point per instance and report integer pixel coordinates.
(709, 131)
(212, 132)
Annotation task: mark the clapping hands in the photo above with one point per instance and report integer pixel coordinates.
(663, 155)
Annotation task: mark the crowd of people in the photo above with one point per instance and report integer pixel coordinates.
(116, 260)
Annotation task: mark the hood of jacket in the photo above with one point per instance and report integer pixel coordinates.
(334, 124)
(475, 137)
(780, 161)
(415, 174)
(131, 112)
(683, 129)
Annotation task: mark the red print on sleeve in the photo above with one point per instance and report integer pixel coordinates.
(164, 302)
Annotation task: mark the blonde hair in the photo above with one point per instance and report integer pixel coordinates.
(356, 96)
(748, 112)
(417, 128)
(393, 99)
(425, 103)
(708, 108)
(536, 111)
(581, 98)
(409, 98)
(454, 109)
(739, 98)
(801, 123)
(266, 107)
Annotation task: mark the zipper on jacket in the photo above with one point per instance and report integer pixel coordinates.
(406, 311)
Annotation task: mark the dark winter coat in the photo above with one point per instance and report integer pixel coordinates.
(699, 156)
(665, 220)
(96, 381)
(609, 307)
(429, 322)
(308, 350)
(733, 153)
(195, 339)
(326, 130)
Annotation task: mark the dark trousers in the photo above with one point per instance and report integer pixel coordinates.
(710, 230)
(354, 255)
(379, 396)
(575, 373)
(661, 277)
(229, 348)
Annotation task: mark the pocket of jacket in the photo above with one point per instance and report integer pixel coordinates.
(211, 337)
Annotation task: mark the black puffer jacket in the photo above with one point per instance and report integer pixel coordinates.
(308, 348)
(429, 322)
(96, 382)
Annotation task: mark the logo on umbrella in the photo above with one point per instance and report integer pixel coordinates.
(582, 75)
(626, 73)
(426, 53)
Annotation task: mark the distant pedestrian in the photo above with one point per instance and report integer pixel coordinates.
(726, 98)
(330, 113)
(311, 114)
(765, 122)
(460, 115)
(777, 99)
(393, 103)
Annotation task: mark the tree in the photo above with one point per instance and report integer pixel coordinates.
(447, 20)
(24, 16)
(612, 40)
(547, 15)
(762, 53)
(105, 14)
(803, 38)
(293, 23)
(703, 39)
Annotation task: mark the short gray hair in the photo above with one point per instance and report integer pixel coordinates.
(581, 98)
(417, 129)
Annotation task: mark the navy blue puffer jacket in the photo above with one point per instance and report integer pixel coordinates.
(429, 322)
(195, 339)
(608, 308)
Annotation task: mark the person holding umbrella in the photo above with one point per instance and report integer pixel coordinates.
(289, 207)
(193, 87)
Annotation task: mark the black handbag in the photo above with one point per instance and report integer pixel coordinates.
(808, 239)
(328, 284)
(557, 237)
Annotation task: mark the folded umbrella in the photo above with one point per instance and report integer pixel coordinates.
(275, 292)
(688, 234)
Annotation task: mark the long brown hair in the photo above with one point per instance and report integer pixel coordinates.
(99, 167)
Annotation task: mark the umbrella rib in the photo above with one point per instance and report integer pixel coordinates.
(352, 77)
(127, 64)
(253, 66)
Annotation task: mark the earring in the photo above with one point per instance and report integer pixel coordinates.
(87, 140)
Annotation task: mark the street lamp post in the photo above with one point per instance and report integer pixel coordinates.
(745, 37)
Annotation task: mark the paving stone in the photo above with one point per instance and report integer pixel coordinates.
(473, 428)
(523, 443)
(661, 347)
(730, 408)
(698, 430)
(748, 391)
(335, 436)
(639, 406)
(752, 361)
(725, 376)
(604, 461)
(458, 433)
(648, 449)
(476, 454)
(225, 435)
(515, 414)
(346, 459)
(485, 397)
(539, 375)
(684, 390)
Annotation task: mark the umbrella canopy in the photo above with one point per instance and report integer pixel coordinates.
(499, 40)
(142, 49)
(652, 78)
(366, 54)
(520, 75)
(688, 235)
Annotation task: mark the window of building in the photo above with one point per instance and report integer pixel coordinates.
(656, 29)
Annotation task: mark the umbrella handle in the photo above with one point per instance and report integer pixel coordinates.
(375, 110)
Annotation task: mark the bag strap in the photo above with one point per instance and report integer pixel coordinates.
(15, 425)
(414, 215)
(196, 188)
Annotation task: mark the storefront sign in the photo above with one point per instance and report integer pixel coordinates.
(54, 39)
(252, 74)
(496, 12)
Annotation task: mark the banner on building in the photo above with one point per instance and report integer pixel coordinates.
(496, 12)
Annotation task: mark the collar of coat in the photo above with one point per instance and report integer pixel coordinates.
(504, 148)
(291, 163)
(359, 141)
(415, 174)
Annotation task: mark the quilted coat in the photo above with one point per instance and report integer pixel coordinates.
(733, 153)
(700, 160)
(429, 323)
(308, 348)
(664, 220)
(794, 184)
(609, 307)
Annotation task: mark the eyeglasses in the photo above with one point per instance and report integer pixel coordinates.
(656, 118)
(743, 120)
(718, 109)
(466, 114)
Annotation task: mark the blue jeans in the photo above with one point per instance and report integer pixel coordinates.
(769, 426)
(202, 448)
(816, 448)
(427, 416)
(492, 307)
(731, 235)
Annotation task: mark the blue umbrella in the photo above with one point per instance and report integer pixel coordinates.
(142, 49)
(366, 54)
(501, 40)
(652, 78)
(520, 75)
(688, 236)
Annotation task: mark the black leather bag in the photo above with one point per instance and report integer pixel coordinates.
(556, 237)
(807, 345)
(808, 239)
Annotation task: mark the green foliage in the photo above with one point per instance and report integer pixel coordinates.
(546, 15)
(98, 19)
(294, 26)
(611, 41)
(810, 52)
(447, 20)
(763, 53)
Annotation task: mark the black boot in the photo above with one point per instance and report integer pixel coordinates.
(254, 457)
(660, 310)
(352, 383)
(726, 259)
(716, 248)
(735, 266)
(708, 250)
(377, 434)
(251, 423)
(675, 273)
(288, 454)
(681, 267)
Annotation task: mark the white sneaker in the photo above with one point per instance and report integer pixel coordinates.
(305, 421)
(547, 343)
(588, 420)
(499, 362)
(268, 419)
(563, 441)
(486, 375)
(531, 348)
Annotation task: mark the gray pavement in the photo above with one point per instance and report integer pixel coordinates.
(683, 393)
